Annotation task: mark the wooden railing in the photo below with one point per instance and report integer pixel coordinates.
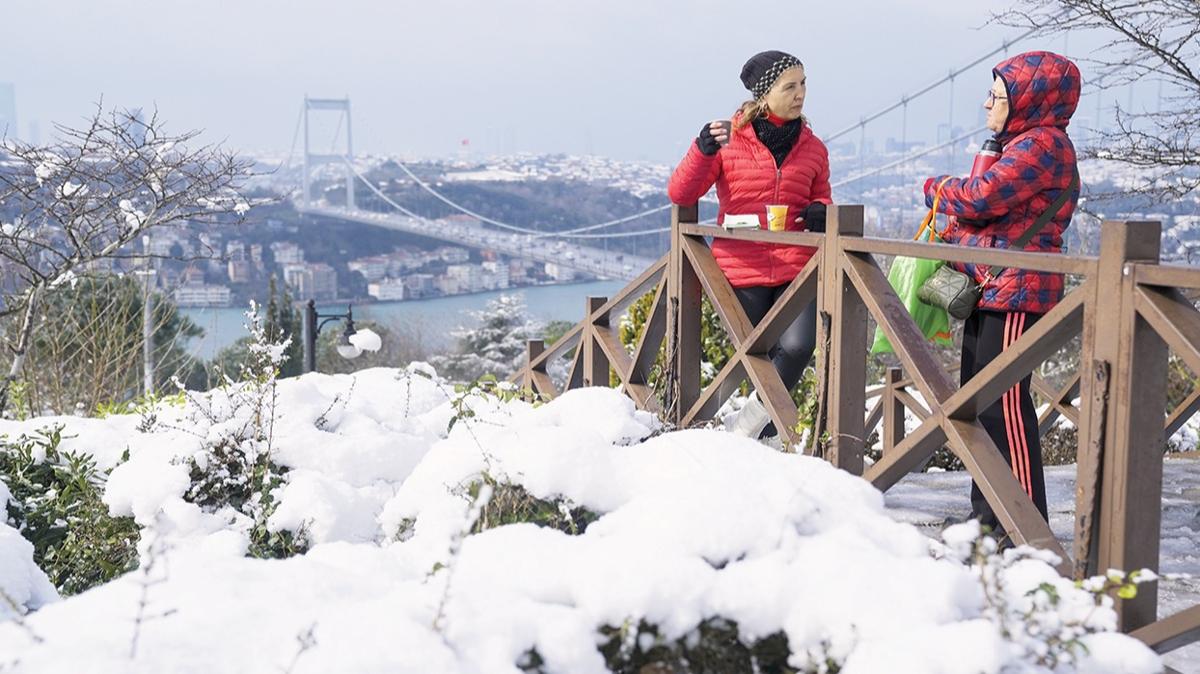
(1128, 308)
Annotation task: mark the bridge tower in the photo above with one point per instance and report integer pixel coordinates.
(312, 160)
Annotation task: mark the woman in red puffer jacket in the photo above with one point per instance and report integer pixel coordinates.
(767, 155)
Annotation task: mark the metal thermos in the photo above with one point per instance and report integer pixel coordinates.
(988, 155)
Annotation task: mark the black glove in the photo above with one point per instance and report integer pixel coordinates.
(814, 217)
(705, 141)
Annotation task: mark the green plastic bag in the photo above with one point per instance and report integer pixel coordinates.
(906, 276)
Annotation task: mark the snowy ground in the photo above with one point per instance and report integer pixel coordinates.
(926, 499)
(694, 524)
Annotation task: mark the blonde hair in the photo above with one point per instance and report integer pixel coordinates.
(749, 111)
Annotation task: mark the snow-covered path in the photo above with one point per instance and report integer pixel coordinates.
(926, 499)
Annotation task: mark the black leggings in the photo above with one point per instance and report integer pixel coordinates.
(790, 356)
(1012, 421)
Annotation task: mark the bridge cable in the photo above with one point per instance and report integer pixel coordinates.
(539, 234)
(907, 158)
(483, 218)
(904, 100)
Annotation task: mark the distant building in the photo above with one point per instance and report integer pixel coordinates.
(418, 285)
(401, 261)
(324, 281)
(286, 252)
(239, 271)
(203, 295)
(468, 277)
(256, 254)
(453, 254)
(235, 250)
(387, 290)
(8, 111)
(559, 272)
(372, 268)
(522, 271)
(496, 276)
(192, 276)
(317, 281)
(163, 240)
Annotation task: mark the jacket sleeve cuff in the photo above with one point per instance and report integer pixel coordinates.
(929, 189)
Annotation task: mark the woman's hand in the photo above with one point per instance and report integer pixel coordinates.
(712, 136)
(814, 217)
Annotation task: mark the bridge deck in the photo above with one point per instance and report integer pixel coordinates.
(596, 261)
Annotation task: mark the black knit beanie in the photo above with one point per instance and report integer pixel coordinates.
(761, 71)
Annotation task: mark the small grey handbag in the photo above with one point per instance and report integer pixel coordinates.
(958, 293)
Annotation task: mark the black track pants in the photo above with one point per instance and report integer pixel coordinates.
(791, 355)
(1011, 421)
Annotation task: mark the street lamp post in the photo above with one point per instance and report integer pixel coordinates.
(351, 344)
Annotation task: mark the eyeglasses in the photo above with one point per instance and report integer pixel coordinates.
(992, 98)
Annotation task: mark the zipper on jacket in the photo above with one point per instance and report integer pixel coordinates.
(775, 200)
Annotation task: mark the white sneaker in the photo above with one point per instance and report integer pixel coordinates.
(751, 419)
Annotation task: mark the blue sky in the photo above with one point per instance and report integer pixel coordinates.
(630, 79)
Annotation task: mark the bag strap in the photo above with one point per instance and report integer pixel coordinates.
(996, 269)
(930, 221)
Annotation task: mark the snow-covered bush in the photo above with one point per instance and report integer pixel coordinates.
(1049, 619)
(54, 501)
(496, 346)
(233, 468)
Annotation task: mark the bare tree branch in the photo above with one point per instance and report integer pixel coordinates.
(1147, 40)
(94, 191)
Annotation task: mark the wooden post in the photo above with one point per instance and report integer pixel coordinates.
(1121, 428)
(847, 345)
(683, 321)
(595, 363)
(893, 410)
(533, 349)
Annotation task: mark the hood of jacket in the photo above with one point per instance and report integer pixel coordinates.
(1043, 90)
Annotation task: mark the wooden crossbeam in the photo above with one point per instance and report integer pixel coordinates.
(973, 446)
(575, 374)
(1059, 402)
(893, 414)
(907, 455)
(1174, 318)
(773, 394)
(717, 392)
(798, 294)
(909, 344)
(651, 340)
(1042, 339)
(610, 345)
(1184, 411)
(720, 293)
(1172, 632)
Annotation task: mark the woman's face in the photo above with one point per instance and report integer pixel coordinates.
(786, 97)
(997, 106)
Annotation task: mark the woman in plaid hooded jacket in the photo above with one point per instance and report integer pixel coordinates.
(1031, 102)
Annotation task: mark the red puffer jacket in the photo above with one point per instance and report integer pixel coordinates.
(1036, 166)
(747, 181)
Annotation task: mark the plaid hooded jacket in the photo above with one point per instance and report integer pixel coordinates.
(1036, 165)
